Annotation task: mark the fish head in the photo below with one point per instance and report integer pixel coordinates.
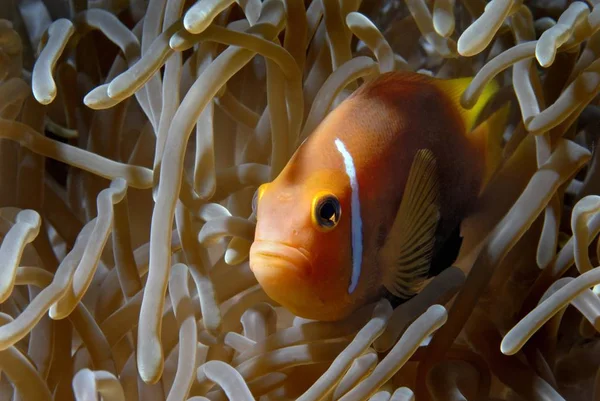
(301, 252)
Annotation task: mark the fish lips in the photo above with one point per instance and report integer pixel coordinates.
(284, 273)
(277, 257)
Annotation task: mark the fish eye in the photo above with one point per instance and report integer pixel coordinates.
(326, 212)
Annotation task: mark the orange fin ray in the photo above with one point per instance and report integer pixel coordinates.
(407, 252)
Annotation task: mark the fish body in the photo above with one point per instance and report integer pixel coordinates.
(369, 198)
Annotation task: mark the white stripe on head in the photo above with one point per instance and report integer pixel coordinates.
(357, 242)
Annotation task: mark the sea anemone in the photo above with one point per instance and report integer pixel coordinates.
(125, 238)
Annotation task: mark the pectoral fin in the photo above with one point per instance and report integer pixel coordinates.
(407, 252)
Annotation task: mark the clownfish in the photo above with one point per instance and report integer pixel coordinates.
(366, 203)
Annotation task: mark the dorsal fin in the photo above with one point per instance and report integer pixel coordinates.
(486, 135)
(454, 89)
(489, 137)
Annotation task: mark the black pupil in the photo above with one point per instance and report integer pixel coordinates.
(328, 212)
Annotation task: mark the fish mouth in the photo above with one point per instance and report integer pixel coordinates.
(277, 255)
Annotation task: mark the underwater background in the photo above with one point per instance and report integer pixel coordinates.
(135, 133)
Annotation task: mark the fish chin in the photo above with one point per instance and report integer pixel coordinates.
(283, 272)
(282, 284)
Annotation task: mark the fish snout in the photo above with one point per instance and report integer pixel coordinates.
(270, 257)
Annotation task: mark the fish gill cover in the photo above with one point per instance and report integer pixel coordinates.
(135, 134)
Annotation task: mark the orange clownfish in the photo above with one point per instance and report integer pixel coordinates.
(369, 199)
